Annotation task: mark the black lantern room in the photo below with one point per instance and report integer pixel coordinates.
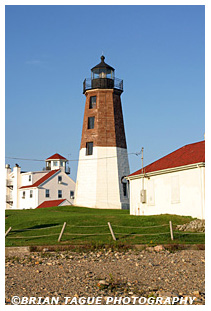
(102, 70)
(102, 77)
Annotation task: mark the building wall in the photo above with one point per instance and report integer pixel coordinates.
(86, 182)
(16, 179)
(9, 190)
(34, 177)
(28, 202)
(99, 178)
(180, 193)
(53, 185)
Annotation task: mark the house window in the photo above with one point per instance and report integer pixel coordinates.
(60, 194)
(59, 179)
(23, 195)
(151, 192)
(89, 148)
(92, 103)
(175, 189)
(55, 163)
(72, 194)
(31, 193)
(47, 193)
(30, 177)
(91, 121)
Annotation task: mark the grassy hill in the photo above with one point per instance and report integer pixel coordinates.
(42, 227)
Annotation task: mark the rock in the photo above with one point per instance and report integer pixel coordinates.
(197, 225)
(102, 282)
(196, 293)
(159, 248)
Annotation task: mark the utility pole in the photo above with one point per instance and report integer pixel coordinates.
(142, 166)
(143, 192)
(142, 159)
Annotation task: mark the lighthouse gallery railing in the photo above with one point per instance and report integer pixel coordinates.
(103, 83)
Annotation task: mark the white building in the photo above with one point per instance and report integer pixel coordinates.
(174, 184)
(50, 187)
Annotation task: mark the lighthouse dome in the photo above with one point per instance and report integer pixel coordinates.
(102, 70)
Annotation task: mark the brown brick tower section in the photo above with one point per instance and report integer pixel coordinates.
(108, 128)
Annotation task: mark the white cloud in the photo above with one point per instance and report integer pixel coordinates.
(33, 62)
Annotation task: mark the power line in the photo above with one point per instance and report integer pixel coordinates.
(71, 160)
(23, 159)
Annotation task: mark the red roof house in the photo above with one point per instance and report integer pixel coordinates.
(189, 154)
(56, 156)
(174, 184)
(52, 203)
(51, 186)
(42, 179)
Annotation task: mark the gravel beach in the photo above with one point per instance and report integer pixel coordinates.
(106, 273)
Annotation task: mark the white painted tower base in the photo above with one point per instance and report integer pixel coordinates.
(99, 178)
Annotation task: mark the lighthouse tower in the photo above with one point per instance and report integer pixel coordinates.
(103, 158)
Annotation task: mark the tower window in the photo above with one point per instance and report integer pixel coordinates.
(89, 148)
(124, 185)
(30, 177)
(47, 193)
(91, 121)
(59, 179)
(92, 103)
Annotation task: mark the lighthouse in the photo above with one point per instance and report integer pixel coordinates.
(103, 159)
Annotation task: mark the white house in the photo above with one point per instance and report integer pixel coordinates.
(174, 184)
(50, 187)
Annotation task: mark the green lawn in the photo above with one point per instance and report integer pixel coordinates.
(42, 227)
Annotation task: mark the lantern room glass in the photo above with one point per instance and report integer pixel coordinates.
(101, 73)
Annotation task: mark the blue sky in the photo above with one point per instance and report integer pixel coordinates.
(158, 51)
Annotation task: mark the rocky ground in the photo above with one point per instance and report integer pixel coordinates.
(196, 225)
(154, 272)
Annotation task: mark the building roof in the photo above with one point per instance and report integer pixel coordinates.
(186, 155)
(56, 156)
(50, 203)
(41, 180)
(102, 65)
